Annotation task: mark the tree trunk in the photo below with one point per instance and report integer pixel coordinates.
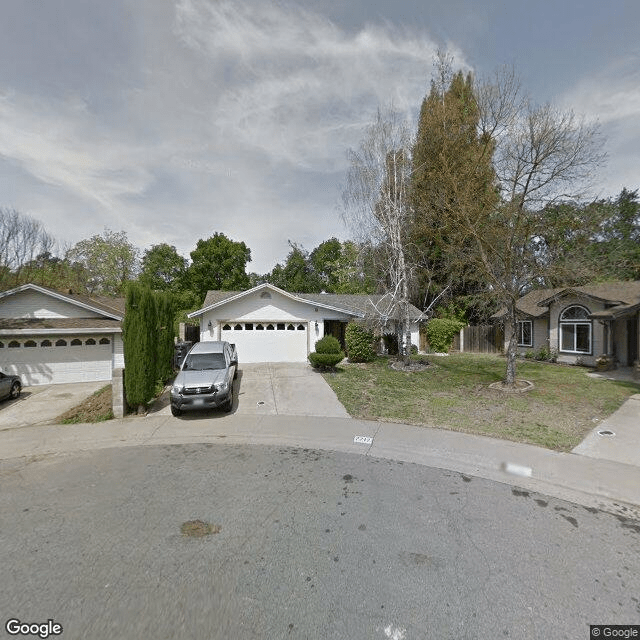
(512, 331)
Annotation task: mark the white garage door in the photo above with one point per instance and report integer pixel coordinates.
(267, 341)
(57, 360)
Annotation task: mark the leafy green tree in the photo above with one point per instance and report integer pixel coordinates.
(109, 260)
(297, 275)
(325, 260)
(51, 271)
(219, 263)
(616, 249)
(163, 269)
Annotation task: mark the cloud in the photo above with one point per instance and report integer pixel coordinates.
(611, 96)
(301, 87)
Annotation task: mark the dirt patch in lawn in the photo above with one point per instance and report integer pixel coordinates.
(98, 407)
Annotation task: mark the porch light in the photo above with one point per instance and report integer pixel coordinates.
(210, 326)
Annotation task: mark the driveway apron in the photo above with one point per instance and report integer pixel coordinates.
(43, 404)
(286, 388)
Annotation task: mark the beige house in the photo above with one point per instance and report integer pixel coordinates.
(52, 337)
(582, 323)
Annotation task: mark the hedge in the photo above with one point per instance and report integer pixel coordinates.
(360, 343)
(440, 333)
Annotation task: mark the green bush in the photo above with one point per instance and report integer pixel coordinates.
(440, 333)
(325, 360)
(328, 344)
(360, 343)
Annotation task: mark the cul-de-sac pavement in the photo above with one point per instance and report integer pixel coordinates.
(273, 522)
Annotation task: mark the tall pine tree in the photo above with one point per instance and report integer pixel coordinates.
(452, 172)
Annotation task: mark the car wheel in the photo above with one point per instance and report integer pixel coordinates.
(16, 388)
(227, 407)
(175, 411)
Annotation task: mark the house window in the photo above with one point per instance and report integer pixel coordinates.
(226, 327)
(270, 327)
(76, 342)
(259, 327)
(90, 341)
(300, 327)
(14, 344)
(237, 327)
(290, 327)
(525, 333)
(248, 326)
(45, 343)
(280, 326)
(30, 343)
(575, 330)
(61, 343)
(105, 341)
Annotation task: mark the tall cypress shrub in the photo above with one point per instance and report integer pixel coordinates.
(138, 331)
(164, 335)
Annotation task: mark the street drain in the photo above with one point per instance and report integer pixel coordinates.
(199, 528)
(606, 432)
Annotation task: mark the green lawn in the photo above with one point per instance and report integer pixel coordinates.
(454, 394)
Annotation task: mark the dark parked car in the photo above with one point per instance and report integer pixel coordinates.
(205, 379)
(10, 386)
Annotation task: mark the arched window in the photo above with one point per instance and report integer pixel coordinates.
(270, 327)
(226, 327)
(30, 343)
(290, 327)
(61, 343)
(575, 330)
(259, 327)
(14, 344)
(45, 343)
(90, 341)
(76, 342)
(300, 327)
(1, 345)
(105, 341)
(238, 327)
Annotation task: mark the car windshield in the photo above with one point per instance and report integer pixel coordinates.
(204, 361)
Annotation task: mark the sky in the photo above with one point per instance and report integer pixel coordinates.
(176, 119)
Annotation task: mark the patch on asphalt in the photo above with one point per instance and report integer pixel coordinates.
(199, 528)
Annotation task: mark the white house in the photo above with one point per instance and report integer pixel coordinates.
(268, 324)
(49, 337)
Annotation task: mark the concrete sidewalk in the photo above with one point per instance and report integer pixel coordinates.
(583, 479)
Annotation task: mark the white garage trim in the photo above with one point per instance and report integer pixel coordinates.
(58, 359)
(267, 340)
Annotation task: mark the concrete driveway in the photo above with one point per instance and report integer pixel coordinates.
(44, 403)
(274, 388)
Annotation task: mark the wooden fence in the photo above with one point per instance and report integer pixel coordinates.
(487, 338)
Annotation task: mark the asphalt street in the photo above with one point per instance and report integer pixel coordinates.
(302, 543)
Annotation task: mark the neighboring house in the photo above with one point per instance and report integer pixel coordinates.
(582, 323)
(268, 324)
(49, 337)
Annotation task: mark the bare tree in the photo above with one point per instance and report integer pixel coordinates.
(540, 156)
(378, 210)
(22, 239)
